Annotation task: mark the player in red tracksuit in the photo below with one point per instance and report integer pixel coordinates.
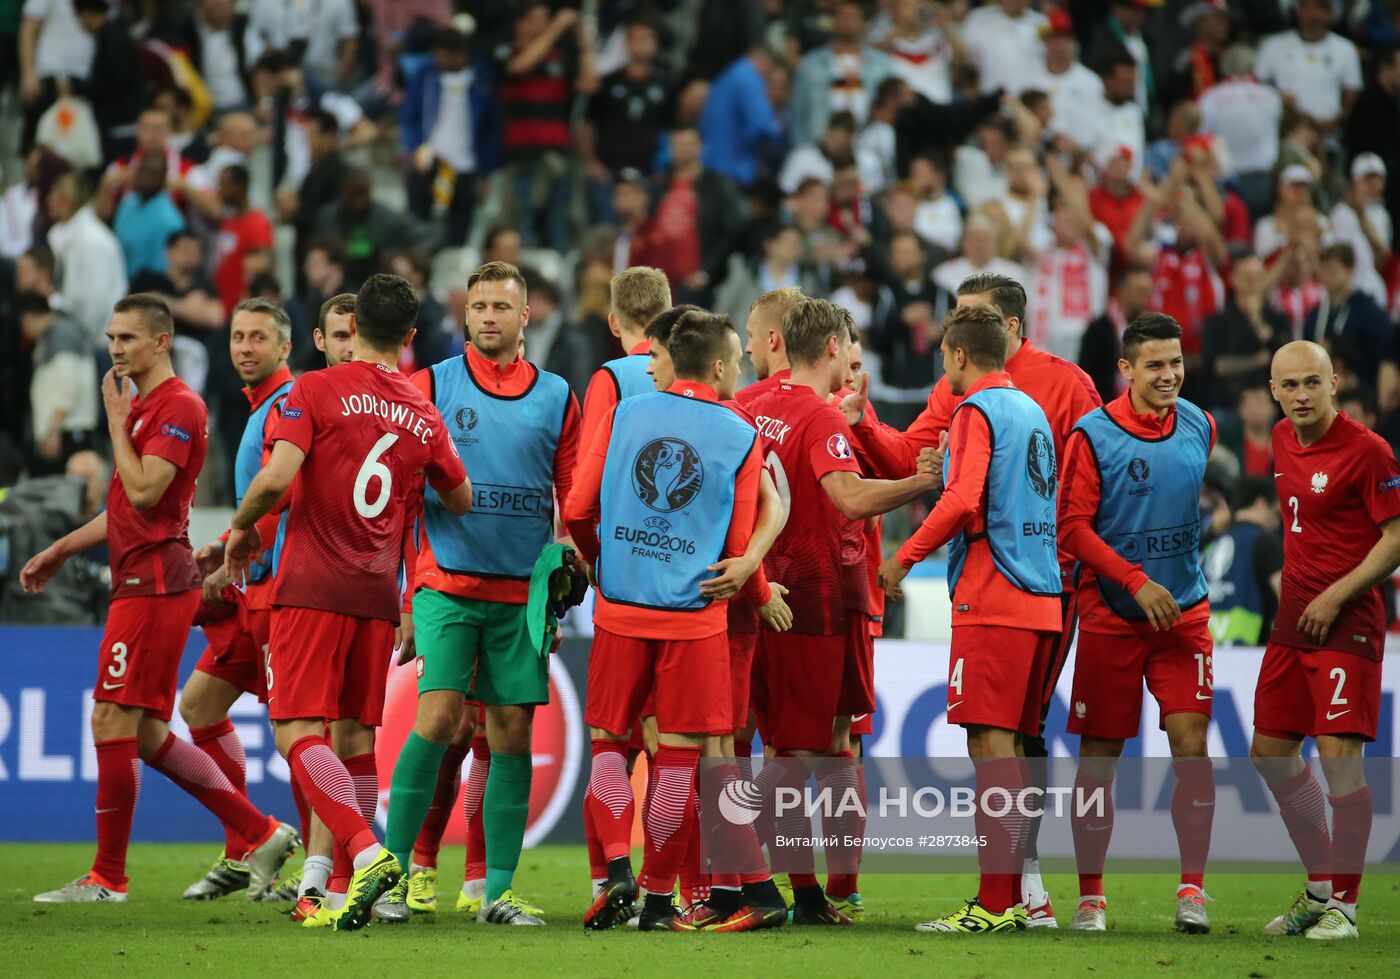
(159, 438)
(1065, 393)
(1339, 489)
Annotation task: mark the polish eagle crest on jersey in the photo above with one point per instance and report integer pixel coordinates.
(667, 474)
(1319, 482)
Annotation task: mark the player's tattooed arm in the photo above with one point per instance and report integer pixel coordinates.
(1378, 564)
(41, 567)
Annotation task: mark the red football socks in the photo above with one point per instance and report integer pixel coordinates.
(425, 848)
(118, 788)
(196, 773)
(364, 772)
(1193, 813)
(220, 742)
(330, 790)
(670, 819)
(1092, 829)
(473, 809)
(1304, 813)
(1351, 832)
(1004, 836)
(610, 798)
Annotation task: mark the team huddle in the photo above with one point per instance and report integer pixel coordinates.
(733, 541)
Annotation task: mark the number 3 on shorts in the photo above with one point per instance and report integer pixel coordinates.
(117, 669)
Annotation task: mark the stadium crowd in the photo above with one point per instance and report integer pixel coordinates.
(1223, 162)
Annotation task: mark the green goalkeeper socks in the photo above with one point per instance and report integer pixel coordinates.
(505, 809)
(410, 795)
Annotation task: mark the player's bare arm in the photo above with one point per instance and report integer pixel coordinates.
(735, 571)
(264, 491)
(144, 478)
(457, 500)
(1378, 564)
(858, 498)
(44, 565)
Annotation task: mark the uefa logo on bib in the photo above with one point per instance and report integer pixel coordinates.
(667, 474)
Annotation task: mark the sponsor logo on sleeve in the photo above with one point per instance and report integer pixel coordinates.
(1389, 484)
(291, 412)
(174, 431)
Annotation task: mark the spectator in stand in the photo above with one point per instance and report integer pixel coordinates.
(908, 333)
(1102, 345)
(63, 386)
(1174, 236)
(369, 228)
(243, 229)
(1183, 122)
(924, 45)
(1374, 123)
(631, 109)
(937, 219)
(698, 220)
(88, 265)
(738, 121)
(1197, 67)
(809, 211)
(1115, 200)
(194, 305)
(214, 37)
(1121, 31)
(154, 130)
(979, 170)
(322, 37)
(1026, 205)
(285, 100)
(1249, 434)
(146, 218)
(1068, 281)
(1121, 122)
(1360, 219)
(1293, 285)
(1241, 339)
(321, 185)
(323, 270)
(1354, 328)
(1294, 202)
(120, 91)
(1076, 92)
(876, 146)
(53, 49)
(780, 267)
(1246, 115)
(502, 244)
(1318, 71)
(234, 141)
(979, 256)
(1004, 41)
(23, 217)
(448, 132)
(820, 160)
(548, 61)
(842, 76)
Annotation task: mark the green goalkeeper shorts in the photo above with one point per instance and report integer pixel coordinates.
(481, 649)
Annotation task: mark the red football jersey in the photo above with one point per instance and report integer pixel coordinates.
(367, 432)
(803, 439)
(149, 550)
(1334, 495)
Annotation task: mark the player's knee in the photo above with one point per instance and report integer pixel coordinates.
(111, 721)
(438, 724)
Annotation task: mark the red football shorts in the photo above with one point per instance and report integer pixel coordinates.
(995, 675)
(858, 669)
(741, 652)
(796, 688)
(237, 650)
(139, 663)
(1109, 671)
(688, 679)
(1307, 692)
(863, 725)
(327, 666)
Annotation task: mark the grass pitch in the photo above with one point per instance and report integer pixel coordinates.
(157, 934)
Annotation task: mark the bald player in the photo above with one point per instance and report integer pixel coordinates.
(1339, 488)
